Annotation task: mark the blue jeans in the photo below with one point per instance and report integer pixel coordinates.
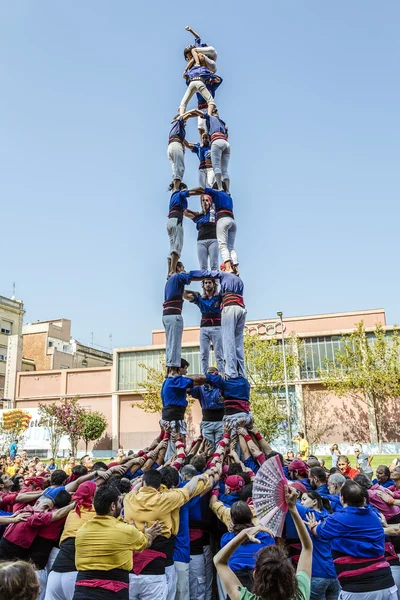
(212, 431)
(324, 588)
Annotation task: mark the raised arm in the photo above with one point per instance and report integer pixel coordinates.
(198, 275)
(194, 112)
(230, 581)
(190, 30)
(198, 191)
(73, 486)
(261, 441)
(189, 145)
(305, 559)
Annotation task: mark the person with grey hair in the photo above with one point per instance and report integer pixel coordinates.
(335, 484)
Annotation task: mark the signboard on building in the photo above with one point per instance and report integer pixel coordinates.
(37, 437)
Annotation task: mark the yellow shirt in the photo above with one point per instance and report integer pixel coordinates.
(223, 512)
(11, 470)
(75, 522)
(104, 543)
(149, 505)
(303, 446)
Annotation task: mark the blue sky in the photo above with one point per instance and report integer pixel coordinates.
(311, 95)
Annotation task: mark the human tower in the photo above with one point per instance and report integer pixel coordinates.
(223, 391)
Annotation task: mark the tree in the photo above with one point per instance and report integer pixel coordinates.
(71, 418)
(48, 418)
(265, 372)
(15, 423)
(319, 417)
(94, 427)
(151, 389)
(367, 369)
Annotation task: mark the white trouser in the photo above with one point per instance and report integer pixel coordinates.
(388, 594)
(193, 87)
(61, 586)
(206, 177)
(208, 249)
(173, 325)
(232, 322)
(147, 587)
(210, 56)
(182, 580)
(211, 335)
(396, 576)
(208, 557)
(208, 51)
(176, 155)
(197, 577)
(226, 235)
(41, 575)
(175, 234)
(220, 155)
(170, 574)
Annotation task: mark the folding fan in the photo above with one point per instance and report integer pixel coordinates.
(269, 495)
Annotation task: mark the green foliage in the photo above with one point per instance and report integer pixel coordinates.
(151, 389)
(265, 372)
(367, 369)
(70, 417)
(95, 424)
(48, 418)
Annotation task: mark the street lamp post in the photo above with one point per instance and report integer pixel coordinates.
(288, 407)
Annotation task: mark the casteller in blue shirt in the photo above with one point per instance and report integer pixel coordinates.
(244, 558)
(173, 395)
(178, 203)
(173, 293)
(222, 201)
(236, 392)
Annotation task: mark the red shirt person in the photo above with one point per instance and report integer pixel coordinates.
(345, 468)
(18, 537)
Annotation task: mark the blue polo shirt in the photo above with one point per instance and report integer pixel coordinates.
(355, 531)
(208, 306)
(387, 483)
(208, 396)
(215, 125)
(232, 387)
(175, 285)
(222, 200)
(245, 556)
(178, 202)
(204, 156)
(174, 390)
(178, 130)
(322, 563)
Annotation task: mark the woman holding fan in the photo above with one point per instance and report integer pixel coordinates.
(274, 576)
